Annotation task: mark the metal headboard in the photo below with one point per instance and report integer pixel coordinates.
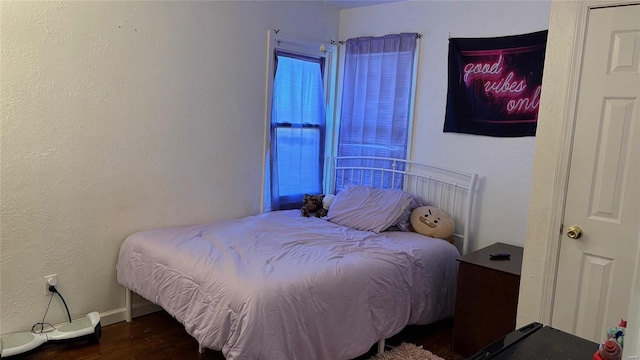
(449, 190)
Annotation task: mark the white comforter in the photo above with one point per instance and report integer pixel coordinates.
(282, 286)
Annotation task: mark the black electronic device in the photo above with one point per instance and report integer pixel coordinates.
(536, 341)
(500, 256)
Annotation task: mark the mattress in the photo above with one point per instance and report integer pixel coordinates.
(282, 286)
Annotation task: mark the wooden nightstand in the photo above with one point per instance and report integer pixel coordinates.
(486, 298)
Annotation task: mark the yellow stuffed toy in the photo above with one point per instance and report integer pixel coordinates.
(432, 222)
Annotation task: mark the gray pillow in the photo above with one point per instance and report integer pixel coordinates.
(367, 208)
(404, 221)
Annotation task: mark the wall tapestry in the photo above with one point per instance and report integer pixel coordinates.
(495, 84)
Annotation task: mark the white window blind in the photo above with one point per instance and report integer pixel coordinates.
(376, 100)
(297, 129)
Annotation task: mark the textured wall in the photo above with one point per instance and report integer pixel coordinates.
(504, 164)
(119, 117)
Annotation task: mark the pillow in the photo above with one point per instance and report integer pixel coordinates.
(367, 208)
(327, 200)
(404, 221)
(432, 222)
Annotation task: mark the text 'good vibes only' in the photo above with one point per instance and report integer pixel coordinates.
(497, 84)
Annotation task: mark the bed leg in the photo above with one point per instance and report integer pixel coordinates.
(200, 349)
(380, 346)
(128, 306)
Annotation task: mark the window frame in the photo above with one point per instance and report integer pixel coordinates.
(276, 40)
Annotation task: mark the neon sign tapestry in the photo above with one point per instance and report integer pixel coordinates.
(495, 84)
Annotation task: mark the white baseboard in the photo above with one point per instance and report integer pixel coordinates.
(119, 315)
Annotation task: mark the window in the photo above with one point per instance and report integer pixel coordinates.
(377, 99)
(297, 129)
(295, 163)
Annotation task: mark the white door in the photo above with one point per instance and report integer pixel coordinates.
(595, 271)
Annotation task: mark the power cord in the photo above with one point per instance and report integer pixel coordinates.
(55, 291)
(43, 324)
(34, 328)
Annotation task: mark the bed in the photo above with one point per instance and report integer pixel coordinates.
(278, 285)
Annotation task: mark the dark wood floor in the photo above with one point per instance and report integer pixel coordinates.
(159, 336)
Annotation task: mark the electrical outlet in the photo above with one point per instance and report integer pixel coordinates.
(48, 280)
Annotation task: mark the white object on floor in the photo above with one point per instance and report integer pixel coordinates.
(18, 343)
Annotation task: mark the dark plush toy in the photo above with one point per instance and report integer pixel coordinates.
(312, 204)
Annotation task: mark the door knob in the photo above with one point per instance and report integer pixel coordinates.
(574, 232)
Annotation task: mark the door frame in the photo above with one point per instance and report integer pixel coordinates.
(561, 176)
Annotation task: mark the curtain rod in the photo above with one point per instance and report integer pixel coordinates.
(342, 42)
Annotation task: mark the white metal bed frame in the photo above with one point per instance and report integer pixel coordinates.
(449, 190)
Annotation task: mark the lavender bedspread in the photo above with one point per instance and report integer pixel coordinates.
(281, 286)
